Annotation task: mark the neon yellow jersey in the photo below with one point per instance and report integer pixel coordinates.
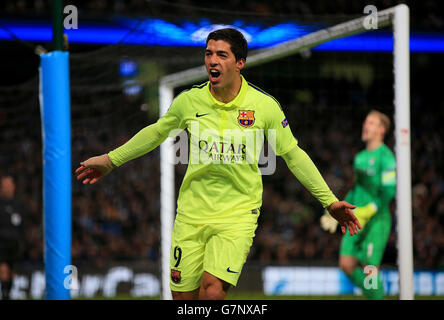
(223, 182)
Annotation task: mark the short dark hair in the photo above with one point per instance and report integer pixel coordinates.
(235, 38)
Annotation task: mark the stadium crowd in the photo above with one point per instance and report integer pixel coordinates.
(118, 219)
(427, 13)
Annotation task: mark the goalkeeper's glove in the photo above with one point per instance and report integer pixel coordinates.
(328, 223)
(365, 213)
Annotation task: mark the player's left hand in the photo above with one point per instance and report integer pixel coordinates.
(342, 211)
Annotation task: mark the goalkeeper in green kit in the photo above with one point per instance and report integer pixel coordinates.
(373, 190)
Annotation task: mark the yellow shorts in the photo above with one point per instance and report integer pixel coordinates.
(219, 249)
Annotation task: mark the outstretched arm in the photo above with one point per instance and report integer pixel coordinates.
(147, 139)
(306, 172)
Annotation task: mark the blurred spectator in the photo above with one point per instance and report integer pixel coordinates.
(13, 215)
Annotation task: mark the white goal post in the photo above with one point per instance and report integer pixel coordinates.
(398, 17)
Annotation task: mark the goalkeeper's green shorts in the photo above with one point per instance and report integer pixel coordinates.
(369, 244)
(219, 249)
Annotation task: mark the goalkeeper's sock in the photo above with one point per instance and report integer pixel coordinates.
(358, 277)
(375, 293)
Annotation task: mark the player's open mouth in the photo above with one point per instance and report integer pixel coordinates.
(214, 75)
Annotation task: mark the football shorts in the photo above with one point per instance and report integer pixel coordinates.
(220, 249)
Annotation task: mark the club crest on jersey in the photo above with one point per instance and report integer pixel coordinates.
(246, 118)
(175, 276)
(284, 123)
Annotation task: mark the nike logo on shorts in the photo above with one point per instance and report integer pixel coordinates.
(200, 115)
(228, 269)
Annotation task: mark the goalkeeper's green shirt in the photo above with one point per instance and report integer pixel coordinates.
(375, 179)
(223, 183)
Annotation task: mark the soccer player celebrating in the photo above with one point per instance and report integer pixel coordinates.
(221, 193)
(374, 188)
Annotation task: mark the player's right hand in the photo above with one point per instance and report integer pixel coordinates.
(328, 223)
(94, 169)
